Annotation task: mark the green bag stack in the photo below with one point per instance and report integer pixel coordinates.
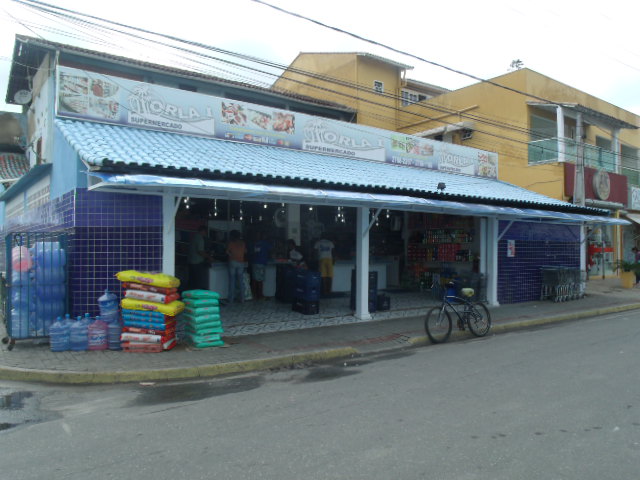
(201, 317)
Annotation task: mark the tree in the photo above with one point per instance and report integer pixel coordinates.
(516, 65)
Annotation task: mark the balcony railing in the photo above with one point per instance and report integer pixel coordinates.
(546, 150)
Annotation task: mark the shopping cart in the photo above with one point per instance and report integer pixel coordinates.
(561, 284)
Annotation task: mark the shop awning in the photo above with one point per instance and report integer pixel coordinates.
(633, 217)
(127, 150)
(200, 188)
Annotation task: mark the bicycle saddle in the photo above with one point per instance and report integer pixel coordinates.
(467, 292)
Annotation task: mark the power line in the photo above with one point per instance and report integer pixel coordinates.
(274, 65)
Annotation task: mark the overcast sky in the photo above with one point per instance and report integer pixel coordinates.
(590, 45)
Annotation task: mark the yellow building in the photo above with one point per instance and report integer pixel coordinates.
(377, 88)
(533, 122)
(530, 120)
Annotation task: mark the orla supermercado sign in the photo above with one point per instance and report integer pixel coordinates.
(108, 99)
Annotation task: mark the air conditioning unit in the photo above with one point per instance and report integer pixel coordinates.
(466, 134)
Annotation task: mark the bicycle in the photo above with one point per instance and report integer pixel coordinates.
(475, 315)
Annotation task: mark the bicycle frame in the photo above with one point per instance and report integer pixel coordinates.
(462, 314)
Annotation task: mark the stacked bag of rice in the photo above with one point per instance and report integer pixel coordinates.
(201, 317)
(149, 308)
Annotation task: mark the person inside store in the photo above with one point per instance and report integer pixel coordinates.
(324, 251)
(199, 260)
(636, 259)
(236, 251)
(294, 254)
(260, 254)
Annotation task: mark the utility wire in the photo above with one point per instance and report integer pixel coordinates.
(478, 118)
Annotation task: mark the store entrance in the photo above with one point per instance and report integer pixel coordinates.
(408, 253)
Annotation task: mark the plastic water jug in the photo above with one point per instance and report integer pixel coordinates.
(114, 330)
(20, 259)
(22, 295)
(49, 275)
(59, 336)
(53, 291)
(97, 333)
(20, 277)
(49, 255)
(79, 336)
(46, 311)
(109, 311)
(19, 323)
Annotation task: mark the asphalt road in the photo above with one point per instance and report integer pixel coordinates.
(561, 402)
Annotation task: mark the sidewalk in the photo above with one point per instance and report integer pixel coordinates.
(31, 362)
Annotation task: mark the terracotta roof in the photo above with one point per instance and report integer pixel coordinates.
(12, 166)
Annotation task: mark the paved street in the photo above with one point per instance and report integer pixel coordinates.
(560, 402)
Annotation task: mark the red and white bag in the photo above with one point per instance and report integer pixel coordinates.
(151, 296)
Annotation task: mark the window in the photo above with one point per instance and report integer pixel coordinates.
(378, 86)
(409, 97)
(542, 128)
(15, 207)
(630, 161)
(38, 197)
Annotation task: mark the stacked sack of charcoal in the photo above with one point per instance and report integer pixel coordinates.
(150, 305)
(201, 318)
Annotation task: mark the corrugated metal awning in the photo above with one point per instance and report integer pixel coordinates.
(199, 188)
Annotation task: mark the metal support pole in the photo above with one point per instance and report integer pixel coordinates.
(578, 184)
(492, 261)
(560, 133)
(362, 265)
(169, 234)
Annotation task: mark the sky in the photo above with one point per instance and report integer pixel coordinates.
(590, 45)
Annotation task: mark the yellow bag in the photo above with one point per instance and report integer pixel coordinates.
(172, 309)
(155, 279)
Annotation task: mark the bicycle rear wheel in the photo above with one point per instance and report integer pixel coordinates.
(479, 319)
(438, 324)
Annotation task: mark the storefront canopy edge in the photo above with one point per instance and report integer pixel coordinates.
(633, 217)
(199, 188)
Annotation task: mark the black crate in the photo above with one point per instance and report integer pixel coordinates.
(383, 302)
(285, 283)
(306, 307)
(308, 279)
(308, 294)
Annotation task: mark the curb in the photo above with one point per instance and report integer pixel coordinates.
(181, 373)
(285, 361)
(523, 324)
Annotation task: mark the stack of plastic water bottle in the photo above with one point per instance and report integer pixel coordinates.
(49, 262)
(110, 314)
(86, 333)
(22, 292)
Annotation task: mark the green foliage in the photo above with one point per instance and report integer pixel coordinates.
(628, 266)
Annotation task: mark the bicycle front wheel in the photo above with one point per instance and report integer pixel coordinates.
(438, 324)
(479, 319)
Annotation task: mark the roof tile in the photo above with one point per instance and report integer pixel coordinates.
(98, 143)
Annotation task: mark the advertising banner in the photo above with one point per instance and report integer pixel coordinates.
(109, 99)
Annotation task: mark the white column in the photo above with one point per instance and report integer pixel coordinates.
(168, 235)
(293, 222)
(615, 147)
(492, 261)
(578, 183)
(362, 264)
(482, 267)
(560, 133)
(583, 249)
